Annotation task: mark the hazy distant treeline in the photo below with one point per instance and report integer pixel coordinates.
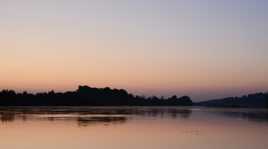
(87, 96)
(258, 100)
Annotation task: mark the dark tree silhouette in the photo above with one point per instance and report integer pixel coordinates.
(258, 100)
(88, 96)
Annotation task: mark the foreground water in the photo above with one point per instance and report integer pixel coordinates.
(132, 128)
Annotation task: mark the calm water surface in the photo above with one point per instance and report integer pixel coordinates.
(133, 128)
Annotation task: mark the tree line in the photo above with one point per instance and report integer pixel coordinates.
(257, 100)
(88, 96)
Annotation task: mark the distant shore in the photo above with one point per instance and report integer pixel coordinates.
(88, 96)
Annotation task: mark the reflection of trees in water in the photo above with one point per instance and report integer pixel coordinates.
(51, 119)
(7, 116)
(250, 115)
(186, 113)
(166, 112)
(90, 115)
(86, 121)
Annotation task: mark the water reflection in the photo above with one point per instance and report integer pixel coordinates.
(85, 116)
(7, 116)
(244, 114)
(106, 120)
(132, 128)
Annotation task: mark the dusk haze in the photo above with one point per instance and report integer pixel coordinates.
(205, 49)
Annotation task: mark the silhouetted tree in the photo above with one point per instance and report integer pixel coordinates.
(266, 97)
(258, 100)
(88, 96)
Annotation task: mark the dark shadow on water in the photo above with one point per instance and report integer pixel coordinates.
(104, 120)
(253, 115)
(7, 117)
(90, 115)
(249, 116)
(85, 116)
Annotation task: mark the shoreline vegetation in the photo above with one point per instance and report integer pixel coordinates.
(88, 96)
(257, 100)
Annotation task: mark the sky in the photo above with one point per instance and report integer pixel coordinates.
(202, 48)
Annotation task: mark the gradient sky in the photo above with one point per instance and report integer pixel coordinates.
(202, 48)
